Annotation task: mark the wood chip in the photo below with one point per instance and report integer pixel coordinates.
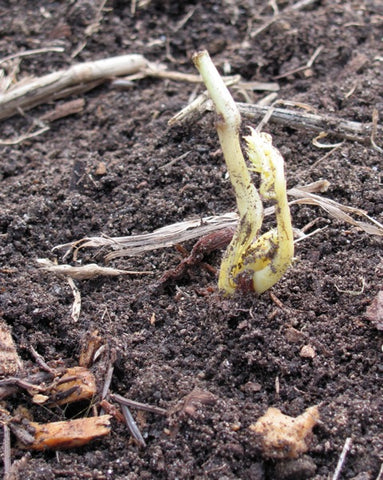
(67, 434)
(374, 312)
(101, 169)
(90, 344)
(78, 383)
(10, 362)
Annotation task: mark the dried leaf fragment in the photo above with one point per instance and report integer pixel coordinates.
(90, 344)
(374, 312)
(68, 434)
(197, 397)
(10, 362)
(283, 436)
(190, 403)
(78, 383)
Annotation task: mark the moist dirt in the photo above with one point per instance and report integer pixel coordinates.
(244, 353)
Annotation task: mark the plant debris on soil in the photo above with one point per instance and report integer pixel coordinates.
(109, 164)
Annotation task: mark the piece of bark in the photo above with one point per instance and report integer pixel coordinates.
(78, 383)
(67, 434)
(31, 384)
(374, 312)
(90, 345)
(10, 362)
(64, 110)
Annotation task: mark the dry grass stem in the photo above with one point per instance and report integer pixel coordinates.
(41, 90)
(7, 462)
(190, 229)
(41, 362)
(76, 306)
(311, 122)
(26, 136)
(280, 15)
(107, 381)
(132, 426)
(318, 144)
(85, 272)
(342, 458)
(91, 29)
(307, 66)
(138, 405)
(28, 53)
(330, 124)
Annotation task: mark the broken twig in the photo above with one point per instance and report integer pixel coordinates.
(138, 405)
(28, 53)
(329, 124)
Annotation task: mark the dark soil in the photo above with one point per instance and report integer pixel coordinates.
(245, 351)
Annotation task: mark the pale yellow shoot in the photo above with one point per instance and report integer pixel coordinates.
(248, 200)
(250, 260)
(271, 254)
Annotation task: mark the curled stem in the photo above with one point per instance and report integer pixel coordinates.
(250, 260)
(248, 200)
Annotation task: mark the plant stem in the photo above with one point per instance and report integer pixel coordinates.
(248, 200)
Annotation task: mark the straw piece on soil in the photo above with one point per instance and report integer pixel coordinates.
(41, 90)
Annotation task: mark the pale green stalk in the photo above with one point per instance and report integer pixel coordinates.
(248, 200)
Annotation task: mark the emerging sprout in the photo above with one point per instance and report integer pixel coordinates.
(250, 259)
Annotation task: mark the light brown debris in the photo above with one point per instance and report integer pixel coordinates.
(10, 362)
(307, 351)
(91, 343)
(374, 312)
(78, 383)
(194, 399)
(84, 272)
(283, 436)
(67, 434)
(43, 89)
